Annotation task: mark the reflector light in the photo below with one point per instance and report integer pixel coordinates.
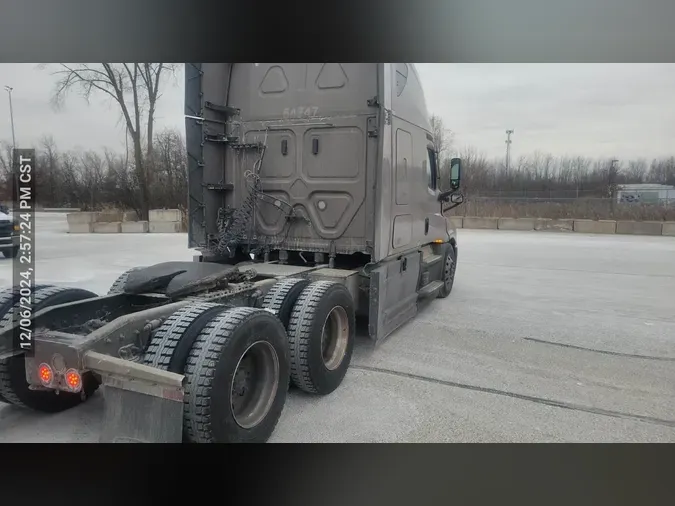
(46, 374)
(73, 380)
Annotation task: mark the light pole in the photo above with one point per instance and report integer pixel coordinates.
(508, 149)
(9, 89)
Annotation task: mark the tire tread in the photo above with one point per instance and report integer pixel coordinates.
(201, 367)
(299, 333)
(119, 284)
(277, 299)
(168, 335)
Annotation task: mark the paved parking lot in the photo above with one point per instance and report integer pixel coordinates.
(546, 337)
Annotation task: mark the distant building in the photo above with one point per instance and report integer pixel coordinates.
(646, 193)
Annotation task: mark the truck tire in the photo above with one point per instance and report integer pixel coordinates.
(171, 343)
(321, 337)
(8, 298)
(282, 297)
(121, 281)
(236, 378)
(13, 385)
(449, 267)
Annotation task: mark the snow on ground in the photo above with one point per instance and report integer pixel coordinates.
(546, 337)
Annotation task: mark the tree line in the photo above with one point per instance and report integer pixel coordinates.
(95, 180)
(542, 174)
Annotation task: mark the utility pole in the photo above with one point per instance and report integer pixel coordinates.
(508, 149)
(9, 89)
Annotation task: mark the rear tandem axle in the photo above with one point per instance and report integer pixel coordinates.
(191, 352)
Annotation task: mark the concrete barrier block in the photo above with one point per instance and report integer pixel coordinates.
(668, 228)
(114, 227)
(80, 218)
(109, 217)
(550, 225)
(457, 221)
(639, 227)
(80, 228)
(129, 216)
(595, 226)
(135, 227)
(484, 223)
(165, 215)
(164, 227)
(516, 224)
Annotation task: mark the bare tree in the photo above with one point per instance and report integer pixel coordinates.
(6, 176)
(48, 184)
(92, 172)
(636, 170)
(135, 88)
(171, 159)
(442, 136)
(662, 171)
(477, 171)
(6, 159)
(72, 185)
(442, 142)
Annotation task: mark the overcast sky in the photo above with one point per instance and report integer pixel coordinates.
(622, 110)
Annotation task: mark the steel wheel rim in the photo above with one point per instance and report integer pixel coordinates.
(334, 338)
(254, 384)
(449, 264)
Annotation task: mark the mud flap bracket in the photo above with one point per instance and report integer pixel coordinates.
(143, 404)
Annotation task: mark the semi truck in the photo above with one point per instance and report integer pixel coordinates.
(314, 199)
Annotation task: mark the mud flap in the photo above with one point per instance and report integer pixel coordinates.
(142, 404)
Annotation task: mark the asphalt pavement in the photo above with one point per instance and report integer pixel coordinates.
(546, 337)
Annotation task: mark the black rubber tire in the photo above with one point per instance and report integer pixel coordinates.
(120, 282)
(210, 370)
(282, 297)
(8, 298)
(13, 385)
(308, 371)
(11, 253)
(449, 268)
(171, 343)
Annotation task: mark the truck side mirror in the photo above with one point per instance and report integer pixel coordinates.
(455, 172)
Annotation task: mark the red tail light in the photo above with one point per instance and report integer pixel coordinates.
(73, 380)
(46, 374)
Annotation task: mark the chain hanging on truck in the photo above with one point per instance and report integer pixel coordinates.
(233, 224)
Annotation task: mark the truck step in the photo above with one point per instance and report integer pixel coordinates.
(431, 260)
(430, 290)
